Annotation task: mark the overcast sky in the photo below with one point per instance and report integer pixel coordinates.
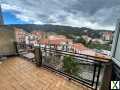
(98, 14)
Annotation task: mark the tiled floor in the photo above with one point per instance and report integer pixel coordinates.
(19, 74)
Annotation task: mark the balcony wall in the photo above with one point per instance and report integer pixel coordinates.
(7, 39)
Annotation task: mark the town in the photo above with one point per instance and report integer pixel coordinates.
(62, 42)
(57, 45)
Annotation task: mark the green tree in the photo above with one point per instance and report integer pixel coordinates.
(70, 65)
(80, 40)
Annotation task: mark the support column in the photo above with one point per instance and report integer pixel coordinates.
(38, 56)
(107, 77)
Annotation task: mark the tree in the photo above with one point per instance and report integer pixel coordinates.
(81, 40)
(70, 65)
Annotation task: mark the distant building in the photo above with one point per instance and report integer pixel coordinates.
(107, 36)
(39, 34)
(31, 39)
(78, 47)
(60, 41)
(20, 35)
(81, 49)
(25, 37)
(86, 38)
(57, 37)
(98, 41)
(88, 52)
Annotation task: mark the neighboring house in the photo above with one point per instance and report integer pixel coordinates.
(20, 35)
(107, 36)
(31, 39)
(98, 41)
(81, 49)
(78, 47)
(55, 37)
(25, 37)
(86, 38)
(39, 34)
(59, 41)
(88, 52)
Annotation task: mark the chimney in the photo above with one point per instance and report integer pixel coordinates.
(1, 17)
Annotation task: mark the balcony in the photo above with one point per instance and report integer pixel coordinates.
(59, 69)
(90, 70)
(19, 74)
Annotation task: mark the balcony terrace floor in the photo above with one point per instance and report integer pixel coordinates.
(19, 74)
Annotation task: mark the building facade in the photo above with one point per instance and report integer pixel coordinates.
(116, 54)
(20, 35)
(107, 36)
(31, 39)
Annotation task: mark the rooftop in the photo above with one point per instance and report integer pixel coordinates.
(19, 74)
(79, 46)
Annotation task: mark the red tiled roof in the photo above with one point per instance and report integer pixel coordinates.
(53, 37)
(47, 41)
(79, 46)
(44, 41)
(38, 32)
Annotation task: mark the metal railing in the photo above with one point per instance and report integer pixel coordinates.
(87, 70)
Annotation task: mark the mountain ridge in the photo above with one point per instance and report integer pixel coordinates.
(65, 30)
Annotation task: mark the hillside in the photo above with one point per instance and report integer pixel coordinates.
(65, 30)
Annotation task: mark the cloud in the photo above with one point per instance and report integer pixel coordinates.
(97, 14)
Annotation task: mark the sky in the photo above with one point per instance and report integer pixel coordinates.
(96, 14)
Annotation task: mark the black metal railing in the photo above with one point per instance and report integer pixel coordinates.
(115, 72)
(87, 70)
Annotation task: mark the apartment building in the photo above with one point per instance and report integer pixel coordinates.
(20, 35)
(107, 36)
(39, 34)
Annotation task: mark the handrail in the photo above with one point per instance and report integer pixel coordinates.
(97, 65)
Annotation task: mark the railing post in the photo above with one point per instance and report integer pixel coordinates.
(107, 76)
(98, 75)
(50, 47)
(94, 74)
(38, 56)
(45, 50)
(16, 48)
